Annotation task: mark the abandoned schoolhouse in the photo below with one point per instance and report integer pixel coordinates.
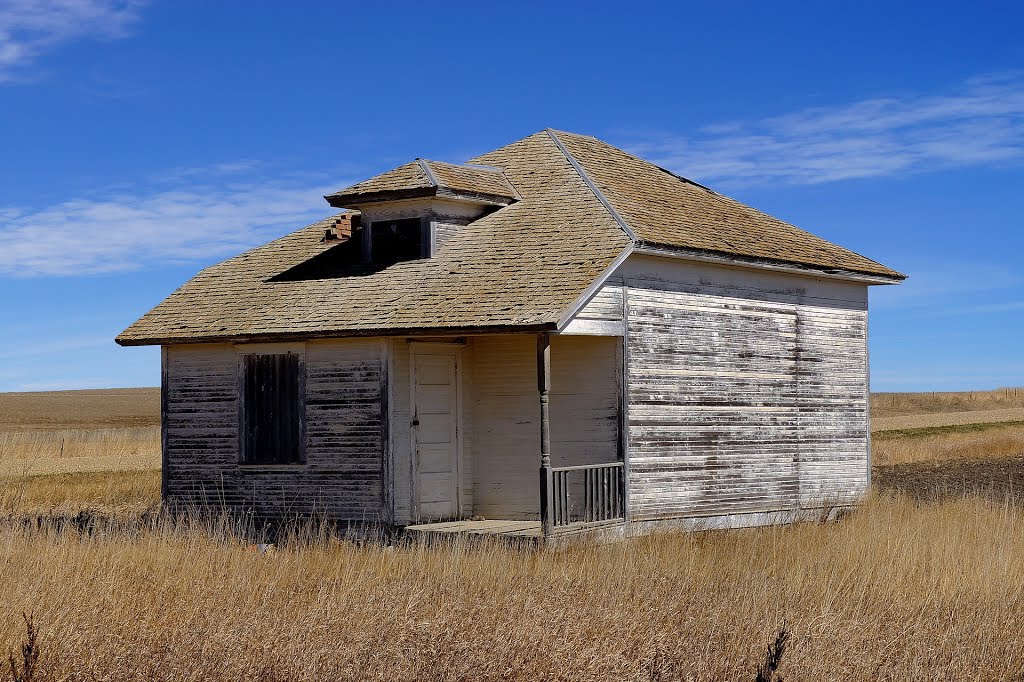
(552, 338)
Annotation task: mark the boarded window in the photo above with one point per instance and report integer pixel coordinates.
(272, 410)
(397, 240)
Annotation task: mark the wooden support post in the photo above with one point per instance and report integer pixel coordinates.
(165, 376)
(544, 389)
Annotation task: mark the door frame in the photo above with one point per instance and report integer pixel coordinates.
(448, 350)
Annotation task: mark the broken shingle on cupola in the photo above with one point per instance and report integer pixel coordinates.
(410, 212)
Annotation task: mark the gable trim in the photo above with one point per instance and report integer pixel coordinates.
(590, 183)
(594, 287)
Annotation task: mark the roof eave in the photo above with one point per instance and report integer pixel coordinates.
(475, 197)
(343, 200)
(340, 333)
(650, 249)
(356, 200)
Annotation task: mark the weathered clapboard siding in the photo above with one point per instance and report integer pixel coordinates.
(505, 410)
(606, 303)
(602, 315)
(833, 404)
(344, 433)
(201, 432)
(746, 390)
(445, 229)
(404, 466)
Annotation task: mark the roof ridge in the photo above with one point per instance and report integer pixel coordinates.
(425, 167)
(590, 183)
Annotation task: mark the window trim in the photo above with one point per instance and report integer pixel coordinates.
(300, 462)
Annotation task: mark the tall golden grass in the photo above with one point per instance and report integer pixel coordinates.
(897, 590)
(117, 493)
(894, 591)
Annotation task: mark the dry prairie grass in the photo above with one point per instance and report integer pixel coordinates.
(121, 493)
(898, 404)
(897, 590)
(941, 444)
(46, 439)
(66, 444)
(894, 591)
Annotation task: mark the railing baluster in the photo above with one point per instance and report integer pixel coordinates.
(595, 510)
(593, 496)
(568, 497)
(556, 495)
(588, 500)
(603, 509)
(602, 495)
(561, 498)
(614, 478)
(566, 502)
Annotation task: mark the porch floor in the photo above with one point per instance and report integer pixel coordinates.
(510, 529)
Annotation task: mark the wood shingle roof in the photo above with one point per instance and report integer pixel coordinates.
(664, 209)
(428, 178)
(576, 206)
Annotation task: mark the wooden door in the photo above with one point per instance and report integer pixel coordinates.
(436, 432)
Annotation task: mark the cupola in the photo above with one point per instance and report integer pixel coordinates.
(410, 212)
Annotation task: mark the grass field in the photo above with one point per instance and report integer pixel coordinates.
(65, 451)
(924, 581)
(885, 405)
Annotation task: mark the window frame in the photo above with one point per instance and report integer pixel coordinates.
(426, 238)
(298, 458)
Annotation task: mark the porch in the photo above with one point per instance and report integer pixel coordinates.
(592, 505)
(518, 436)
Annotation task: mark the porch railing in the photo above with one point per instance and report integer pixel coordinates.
(591, 493)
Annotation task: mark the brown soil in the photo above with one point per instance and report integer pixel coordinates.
(999, 479)
(89, 409)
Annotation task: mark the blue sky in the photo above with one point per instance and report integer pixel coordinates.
(140, 142)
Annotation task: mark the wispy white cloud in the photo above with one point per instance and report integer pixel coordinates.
(178, 220)
(938, 285)
(30, 28)
(981, 122)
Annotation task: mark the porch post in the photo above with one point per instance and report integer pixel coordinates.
(544, 389)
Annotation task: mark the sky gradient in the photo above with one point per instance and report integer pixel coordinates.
(141, 142)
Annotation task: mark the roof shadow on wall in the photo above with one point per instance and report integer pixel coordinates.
(342, 260)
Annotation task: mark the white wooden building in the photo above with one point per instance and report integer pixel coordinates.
(554, 337)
